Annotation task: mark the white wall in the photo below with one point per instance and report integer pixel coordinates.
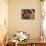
(15, 21)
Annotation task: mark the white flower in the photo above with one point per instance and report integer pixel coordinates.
(21, 36)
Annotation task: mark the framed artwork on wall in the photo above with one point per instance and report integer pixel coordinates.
(28, 13)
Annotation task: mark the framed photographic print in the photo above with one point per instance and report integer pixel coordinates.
(28, 13)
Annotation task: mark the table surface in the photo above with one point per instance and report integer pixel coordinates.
(32, 41)
(36, 41)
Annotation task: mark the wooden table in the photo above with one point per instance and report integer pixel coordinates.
(35, 42)
(32, 42)
(40, 44)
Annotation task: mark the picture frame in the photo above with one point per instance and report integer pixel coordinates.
(28, 13)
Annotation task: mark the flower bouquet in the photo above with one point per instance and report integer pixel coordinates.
(23, 36)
